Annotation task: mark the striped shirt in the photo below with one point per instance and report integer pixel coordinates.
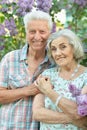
(14, 74)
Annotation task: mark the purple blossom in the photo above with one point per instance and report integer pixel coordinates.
(11, 26)
(4, 10)
(44, 5)
(24, 6)
(21, 11)
(54, 27)
(81, 3)
(1, 40)
(2, 30)
(82, 110)
(2, 47)
(81, 99)
(75, 91)
(4, 2)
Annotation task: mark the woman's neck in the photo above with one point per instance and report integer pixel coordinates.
(69, 71)
(69, 67)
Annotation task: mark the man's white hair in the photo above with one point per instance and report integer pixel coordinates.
(37, 15)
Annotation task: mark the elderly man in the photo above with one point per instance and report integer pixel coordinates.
(19, 69)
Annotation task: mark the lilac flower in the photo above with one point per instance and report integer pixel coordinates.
(75, 91)
(21, 11)
(81, 3)
(4, 10)
(1, 40)
(4, 2)
(44, 5)
(24, 6)
(82, 110)
(2, 47)
(54, 27)
(2, 30)
(81, 99)
(11, 26)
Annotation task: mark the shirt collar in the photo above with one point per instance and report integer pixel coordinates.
(24, 51)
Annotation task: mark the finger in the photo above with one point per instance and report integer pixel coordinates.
(46, 78)
(52, 87)
(40, 76)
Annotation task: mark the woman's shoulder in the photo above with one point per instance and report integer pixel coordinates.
(50, 71)
(82, 72)
(83, 69)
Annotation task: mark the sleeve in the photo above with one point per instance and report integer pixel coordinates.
(4, 71)
(84, 78)
(46, 72)
(85, 82)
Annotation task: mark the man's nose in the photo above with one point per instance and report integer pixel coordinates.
(37, 36)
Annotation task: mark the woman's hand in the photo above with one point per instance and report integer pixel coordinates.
(84, 90)
(81, 122)
(43, 83)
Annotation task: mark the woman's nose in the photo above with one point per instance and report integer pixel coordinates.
(58, 52)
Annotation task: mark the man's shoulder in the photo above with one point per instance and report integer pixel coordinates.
(15, 54)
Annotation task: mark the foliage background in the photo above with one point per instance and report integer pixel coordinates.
(12, 32)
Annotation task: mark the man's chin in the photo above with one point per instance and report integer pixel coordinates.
(39, 48)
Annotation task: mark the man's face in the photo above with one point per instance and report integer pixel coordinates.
(37, 34)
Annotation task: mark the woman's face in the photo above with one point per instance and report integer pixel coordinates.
(62, 51)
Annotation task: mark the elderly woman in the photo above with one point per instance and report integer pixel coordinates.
(57, 102)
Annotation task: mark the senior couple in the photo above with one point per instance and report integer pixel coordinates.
(35, 80)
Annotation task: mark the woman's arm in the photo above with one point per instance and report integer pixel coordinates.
(67, 106)
(40, 113)
(81, 122)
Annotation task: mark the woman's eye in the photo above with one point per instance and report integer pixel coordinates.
(63, 47)
(53, 49)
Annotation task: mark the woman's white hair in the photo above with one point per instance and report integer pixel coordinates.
(74, 40)
(37, 15)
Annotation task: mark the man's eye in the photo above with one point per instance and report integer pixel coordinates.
(42, 32)
(32, 32)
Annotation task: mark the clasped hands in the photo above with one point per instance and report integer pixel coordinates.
(43, 83)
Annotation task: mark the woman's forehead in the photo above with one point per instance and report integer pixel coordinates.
(60, 40)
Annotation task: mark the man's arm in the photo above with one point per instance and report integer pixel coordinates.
(11, 95)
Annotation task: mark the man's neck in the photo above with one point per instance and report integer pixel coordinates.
(36, 54)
